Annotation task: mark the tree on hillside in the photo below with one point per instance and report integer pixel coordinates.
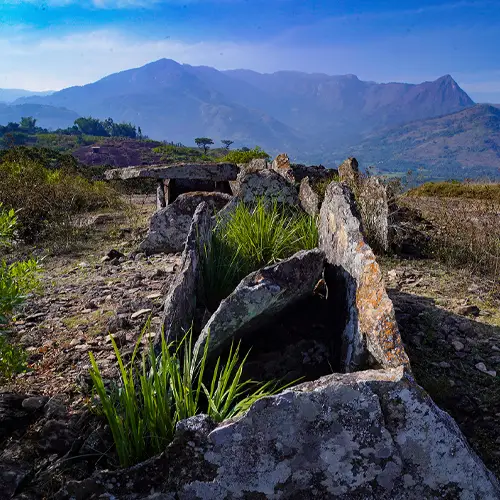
(204, 142)
(28, 124)
(91, 126)
(227, 143)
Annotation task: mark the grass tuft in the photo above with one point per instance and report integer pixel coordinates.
(253, 237)
(153, 395)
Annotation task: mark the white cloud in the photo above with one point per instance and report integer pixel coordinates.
(77, 59)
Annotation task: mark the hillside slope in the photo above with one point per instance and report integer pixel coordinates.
(292, 111)
(50, 117)
(459, 145)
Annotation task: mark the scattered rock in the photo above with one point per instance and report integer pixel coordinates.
(469, 310)
(117, 323)
(258, 297)
(140, 313)
(281, 164)
(34, 403)
(457, 345)
(482, 368)
(349, 173)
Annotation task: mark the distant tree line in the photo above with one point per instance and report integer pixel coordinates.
(15, 134)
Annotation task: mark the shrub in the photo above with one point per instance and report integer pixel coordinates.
(17, 279)
(455, 189)
(240, 156)
(144, 408)
(250, 238)
(46, 199)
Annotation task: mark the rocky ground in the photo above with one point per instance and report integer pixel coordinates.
(449, 320)
(450, 323)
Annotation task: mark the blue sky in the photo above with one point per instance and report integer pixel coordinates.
(51, 44)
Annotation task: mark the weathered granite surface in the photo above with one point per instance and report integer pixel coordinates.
(371, 435)
(259, 297)
(201, 171)
(281, 164)
(371, 335)
(187, 286)
(268, 183)
(374, 211)
(349, 173)
(309, 199)
(169, 227)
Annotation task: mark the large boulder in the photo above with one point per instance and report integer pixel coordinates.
(259, 297)
(371, 335)
(371, 435)
(180, 304)
(169, 226)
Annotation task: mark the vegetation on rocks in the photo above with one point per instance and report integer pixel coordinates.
(252, 237)
(152, 396)
(245, 156)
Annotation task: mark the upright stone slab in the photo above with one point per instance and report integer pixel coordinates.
(259, 297)
(374, 210)
(349, 173)
(281, 164)
(180, 304)
(371, 334)
(309, 199)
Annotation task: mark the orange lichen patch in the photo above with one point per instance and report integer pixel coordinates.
(282, 165)
(376, 318)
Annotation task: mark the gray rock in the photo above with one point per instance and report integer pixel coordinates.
(266, 183)
(281, 165)
(34, 403)
(309, 199)
(349, 174)
(180, 303)
(169, 226)
(200, 171)
(374, 211)
(260, 296)
(371, 435)
(371, 330)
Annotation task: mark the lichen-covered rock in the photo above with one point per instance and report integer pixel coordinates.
(374, 210)
(309, 199)
(268, 184)
(259, 297)
(180, 303)
(214, 171)
(169, 226)
(371, 435)
(371, 329)
(349, 173)
(281, 164)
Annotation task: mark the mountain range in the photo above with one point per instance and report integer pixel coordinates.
(10, 95)
(314, 117)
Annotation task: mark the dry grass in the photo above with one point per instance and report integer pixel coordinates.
(454, 189)
(466, 230)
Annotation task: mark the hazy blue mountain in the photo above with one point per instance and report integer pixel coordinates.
(10, 95)
(293, 111)
(458, 145)
(50, 117)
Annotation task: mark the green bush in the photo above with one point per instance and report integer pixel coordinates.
(253, 237)
(155, 394)
(17, 279)
(239, 156)
(46, 199)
